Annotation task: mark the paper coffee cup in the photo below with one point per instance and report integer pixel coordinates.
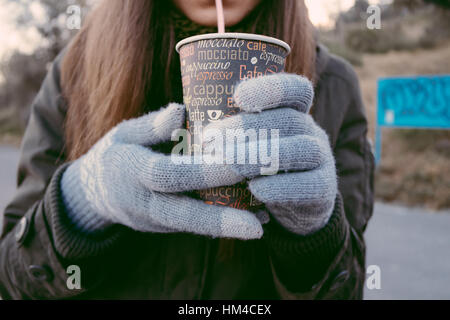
(211, 66)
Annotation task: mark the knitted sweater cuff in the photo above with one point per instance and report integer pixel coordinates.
(70, 241)
(316, 249)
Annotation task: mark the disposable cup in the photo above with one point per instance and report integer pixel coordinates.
(211, 66)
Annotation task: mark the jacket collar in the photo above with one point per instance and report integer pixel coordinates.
(322, 58)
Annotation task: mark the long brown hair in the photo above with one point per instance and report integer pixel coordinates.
(122, 63)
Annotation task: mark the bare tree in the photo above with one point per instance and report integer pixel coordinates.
(23, 73)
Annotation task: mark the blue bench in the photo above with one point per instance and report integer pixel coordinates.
(412, 102)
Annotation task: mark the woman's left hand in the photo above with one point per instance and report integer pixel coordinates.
(300, 198)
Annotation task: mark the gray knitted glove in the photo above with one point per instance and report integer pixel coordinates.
(300, 197)
(119, 181)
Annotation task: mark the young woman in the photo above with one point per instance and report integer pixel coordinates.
(101, 193)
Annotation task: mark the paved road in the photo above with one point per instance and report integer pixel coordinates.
(9, 157)
(412, 249)
(411, 246)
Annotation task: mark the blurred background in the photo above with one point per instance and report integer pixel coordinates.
(409, 235)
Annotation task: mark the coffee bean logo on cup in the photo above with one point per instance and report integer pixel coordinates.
(214, 115)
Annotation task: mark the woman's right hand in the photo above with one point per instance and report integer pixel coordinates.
(121, 180)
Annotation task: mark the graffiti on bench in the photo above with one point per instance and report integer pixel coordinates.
(412, 102)
(422, 102)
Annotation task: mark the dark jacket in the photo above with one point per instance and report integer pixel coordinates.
(38, 241)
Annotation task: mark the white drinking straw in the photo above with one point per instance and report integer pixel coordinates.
(220, 16)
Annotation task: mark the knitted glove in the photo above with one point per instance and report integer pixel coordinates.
(119, 181)
(301, 196)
